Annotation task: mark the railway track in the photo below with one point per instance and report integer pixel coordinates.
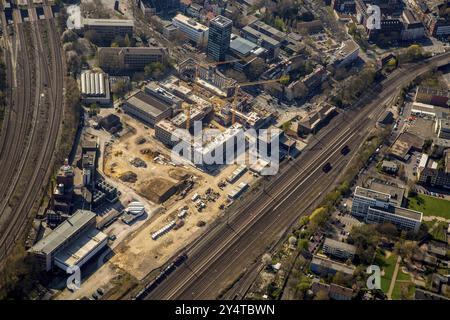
(220, 255)
(49, 95)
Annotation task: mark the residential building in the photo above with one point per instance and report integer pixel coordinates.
(193, 30)
(339, 249)
(219, 38)
(391, 27)
(147, 108)
(324, 266)
(413, 27)
(434, 177)
(163, 7)
(347, 6)
(334, 291)
(95, 88)
(375, 207)
(442, 128)
(389, 167)
(314, 121)
(105, 30)
(72, 243)
(127, 59)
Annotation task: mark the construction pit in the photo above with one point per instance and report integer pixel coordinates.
(171, 186)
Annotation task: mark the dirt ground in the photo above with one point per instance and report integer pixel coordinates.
(138, 254)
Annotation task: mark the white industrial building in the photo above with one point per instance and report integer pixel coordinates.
(195, 31)
(95, 88)
(72, 243)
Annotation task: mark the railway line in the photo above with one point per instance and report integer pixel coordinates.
(34, 162)
(226, 250)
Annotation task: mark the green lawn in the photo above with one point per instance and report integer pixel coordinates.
(387, 266)
(403, 279)
(430, 206)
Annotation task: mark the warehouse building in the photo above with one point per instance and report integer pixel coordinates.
(72, 243)
(95, 88)
(130, 58)
(106, 30)
(147, 108)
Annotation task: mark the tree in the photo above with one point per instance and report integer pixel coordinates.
(365, 238)
(92, 36)
(73, 62)
(69, 36)
(154, 70)
(303, 285)
(387, 229)
(120, 87)
(406, 249)
(255, 69)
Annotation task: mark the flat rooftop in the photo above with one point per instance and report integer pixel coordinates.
(396, 193)
(402, 212)
(64, 231)
(273, 31)
(109, 22)
(148, 104)
(190, 22)
(327, 263)
(340, 245)
(241, 45)
(222, 21)
(372, 194)
(81, 248)
(255, 33)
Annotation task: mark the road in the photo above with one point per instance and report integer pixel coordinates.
(219, 257)
(30, 135)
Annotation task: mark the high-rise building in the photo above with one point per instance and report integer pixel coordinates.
(219, 38)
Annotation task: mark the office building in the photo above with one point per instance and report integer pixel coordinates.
(270, 44)
(376, 207)
(72, 243)
(246, 50)
(116, 60)
(193, 30)
(105, 30)
(219, 38)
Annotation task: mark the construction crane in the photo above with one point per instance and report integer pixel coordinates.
(247, 84)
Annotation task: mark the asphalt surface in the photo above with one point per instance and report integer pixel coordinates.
(219, 257)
